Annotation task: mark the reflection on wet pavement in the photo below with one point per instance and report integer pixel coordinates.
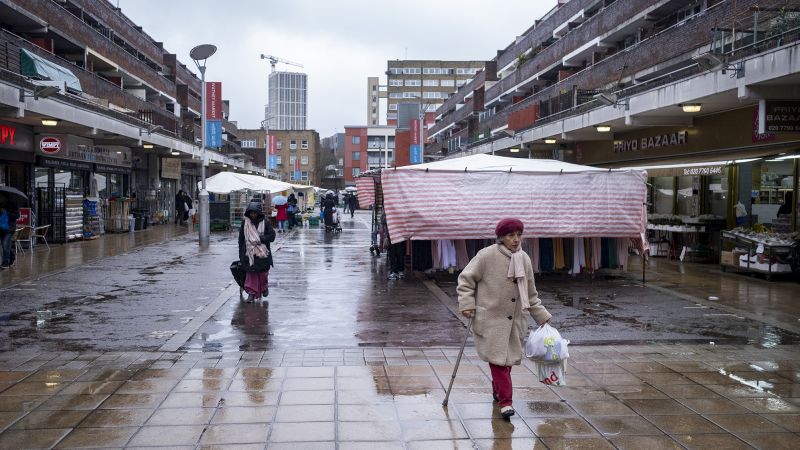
(647, 396)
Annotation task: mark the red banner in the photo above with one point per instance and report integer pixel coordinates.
(414, 129)
(271, 145)
(24, 217)
(213, 100)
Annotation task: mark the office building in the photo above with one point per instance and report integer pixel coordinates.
(288, 101)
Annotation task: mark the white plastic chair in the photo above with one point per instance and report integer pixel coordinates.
(40, 233)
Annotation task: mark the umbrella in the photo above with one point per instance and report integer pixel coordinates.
(14, 194)
(279, 200)
(350, 188)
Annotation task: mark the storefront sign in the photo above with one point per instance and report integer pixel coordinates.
(82, 149)
(24, 217)
(65, 164)
(15, 137)
(709, 170)
(645, 143)
(171, 168)
(782, 116)
(213, 100)
(103, 168)
(50, 145)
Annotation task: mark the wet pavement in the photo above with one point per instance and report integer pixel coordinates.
(657, 396)
(154, 348)
(327, 291)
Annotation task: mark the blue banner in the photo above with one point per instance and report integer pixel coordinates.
(273, 162)
(214, 133)
(416, 154)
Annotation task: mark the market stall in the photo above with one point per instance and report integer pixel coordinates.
(370, 195)
(748, 251)
(236, 190)
(576, 217)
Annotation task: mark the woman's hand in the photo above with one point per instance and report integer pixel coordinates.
(468, 313)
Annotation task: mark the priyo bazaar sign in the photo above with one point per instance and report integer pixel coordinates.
(50, 145)
(652, 142)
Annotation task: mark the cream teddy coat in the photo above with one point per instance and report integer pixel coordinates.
(499, 324)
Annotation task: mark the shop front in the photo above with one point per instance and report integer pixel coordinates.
(16, 156)
(81, 189)
(720, 174)
(170, 185)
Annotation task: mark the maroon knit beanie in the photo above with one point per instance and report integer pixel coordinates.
(508, 225)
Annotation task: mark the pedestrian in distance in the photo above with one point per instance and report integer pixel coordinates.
(281, 217)
(497, 289)
(329, 205)
(189, 206)
(9, 213)
(786, 207)
(346, 202)
(351, 202)
(255, 255)
(291, 210)
(180, 207)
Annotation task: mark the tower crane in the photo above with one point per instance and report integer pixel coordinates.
(273, 60)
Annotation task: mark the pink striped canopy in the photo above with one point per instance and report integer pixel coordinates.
(366, 191)
(447, 204)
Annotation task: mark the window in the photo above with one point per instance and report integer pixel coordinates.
(356, 156)
(447, 83)
(304, 176)
(304, 144)
(411, 70)
(292, 160)
(291, 175)
(412, 82)
(374, 88)
(395, 71)
(356, 140)
(248, 143)
(341, 161)
(395, 95)
(293, 145)
(410, 94)
(278, 159)
(393, 107)
(395, 82)
(430, 82)
(304, 160)
(278, 144)
(356, 171)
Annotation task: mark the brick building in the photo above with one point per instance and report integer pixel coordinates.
(296, 151)
(105, 109)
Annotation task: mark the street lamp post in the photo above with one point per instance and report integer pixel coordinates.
(198, 54)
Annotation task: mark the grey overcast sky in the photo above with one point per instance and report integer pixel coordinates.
(340, 43)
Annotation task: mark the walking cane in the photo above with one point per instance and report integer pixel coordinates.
(458, 361)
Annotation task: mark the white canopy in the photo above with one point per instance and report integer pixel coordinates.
(227, 182)
(490, 163)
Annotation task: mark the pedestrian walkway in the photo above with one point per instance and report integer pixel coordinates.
(653, 397)
(43, 261)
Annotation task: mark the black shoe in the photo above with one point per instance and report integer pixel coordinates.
(495, 397)
(265, 293)
(507, 412)
(250, 298)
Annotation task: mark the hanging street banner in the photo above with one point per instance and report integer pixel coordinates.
(297, 168)
(415, 156)
(213, 100)
(214, 133)
(273, 156)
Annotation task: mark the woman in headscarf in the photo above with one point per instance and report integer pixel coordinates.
(255, 255)
(329, 204)
(496, 288)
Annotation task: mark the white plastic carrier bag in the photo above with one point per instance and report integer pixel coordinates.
(545, 344)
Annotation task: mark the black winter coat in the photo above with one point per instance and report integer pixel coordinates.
(259, 264)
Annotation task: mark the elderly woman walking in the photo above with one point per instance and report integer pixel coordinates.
(496, 288)
(254, 253)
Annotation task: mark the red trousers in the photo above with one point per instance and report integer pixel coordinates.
(256, 282)
(501, 384)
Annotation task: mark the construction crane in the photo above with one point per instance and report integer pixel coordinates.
(273, 60)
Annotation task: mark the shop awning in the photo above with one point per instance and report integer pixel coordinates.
(34, 66)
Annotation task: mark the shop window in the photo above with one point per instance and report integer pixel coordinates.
(716, 195)
(772, 180)
(688, 196)
(663, 195)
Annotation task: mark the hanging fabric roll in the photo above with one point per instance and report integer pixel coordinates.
(462, 257)
(622, 252)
